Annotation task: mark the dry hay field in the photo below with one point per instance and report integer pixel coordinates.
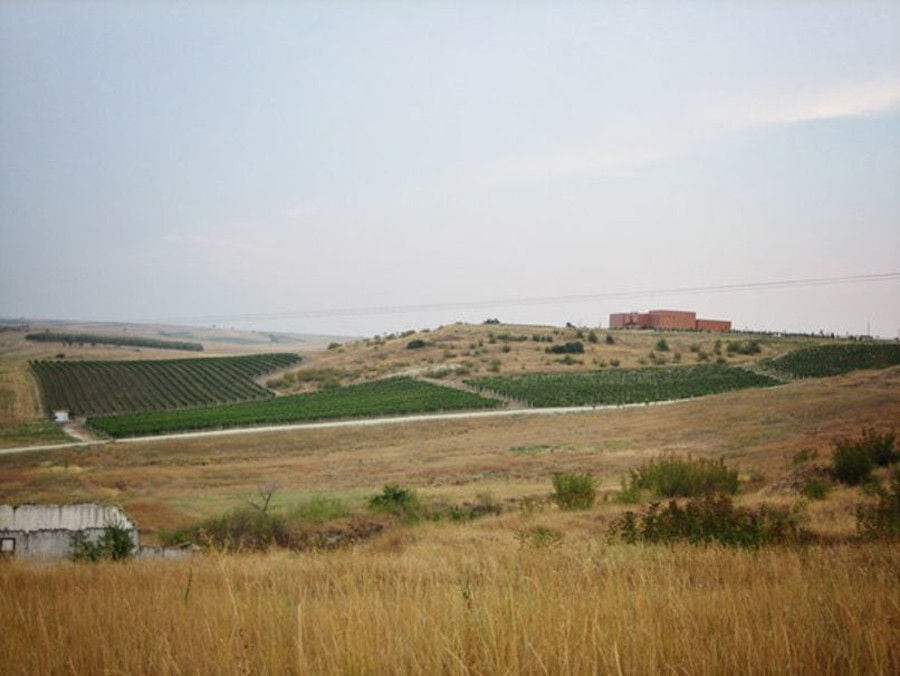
(531, 589)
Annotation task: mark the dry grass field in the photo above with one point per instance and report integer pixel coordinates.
(461, 600)
(474, 597)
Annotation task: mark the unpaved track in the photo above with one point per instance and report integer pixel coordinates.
(364, 422)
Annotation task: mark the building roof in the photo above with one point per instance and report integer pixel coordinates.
(73, 517)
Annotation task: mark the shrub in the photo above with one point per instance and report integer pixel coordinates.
(745, 347)
(574, 491)
(576, 347)
(880, 446)
(881, 521)
(402, 502)
(416, 344)
(113, 544)
(241, 529)
(333, 346)
(592, 337)
(609, 340)
(851, 462)
(662, 345)
(707, 519)
(614, 363)
(671, 477)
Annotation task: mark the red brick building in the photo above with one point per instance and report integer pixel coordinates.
(666, 319)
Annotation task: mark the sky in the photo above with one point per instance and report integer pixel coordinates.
(355, 168)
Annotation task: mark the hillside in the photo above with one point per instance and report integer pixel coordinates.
(460, 351)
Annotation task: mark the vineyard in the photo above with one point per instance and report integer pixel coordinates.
(625, 386)
(100, 387)
(380, 397)
(123, 341)
(821, 361)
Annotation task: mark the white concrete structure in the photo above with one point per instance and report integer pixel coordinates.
(45, 531)
(61, 416)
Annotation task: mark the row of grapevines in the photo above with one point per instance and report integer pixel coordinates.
(622, 386)
(380, 397)
(99, 387)
(821, 361)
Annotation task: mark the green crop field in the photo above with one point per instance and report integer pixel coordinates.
(622, 386)
(380, 397)
(821, 361)
(100, 387)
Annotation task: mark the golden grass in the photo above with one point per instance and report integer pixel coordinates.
(462, 599)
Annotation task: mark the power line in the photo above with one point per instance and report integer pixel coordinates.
(539, 300)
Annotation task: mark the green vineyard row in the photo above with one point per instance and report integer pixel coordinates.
(831, 360)
(622, 386)
(380, 397)
(101, 387)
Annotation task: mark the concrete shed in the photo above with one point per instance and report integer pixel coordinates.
(45, 531)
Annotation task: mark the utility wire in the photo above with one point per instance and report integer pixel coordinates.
(540, 300)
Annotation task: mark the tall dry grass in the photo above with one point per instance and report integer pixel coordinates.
(461, 600)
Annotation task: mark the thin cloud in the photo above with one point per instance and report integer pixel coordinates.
(703, 123)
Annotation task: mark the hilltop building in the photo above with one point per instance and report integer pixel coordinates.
(45, 531)
(680, 320)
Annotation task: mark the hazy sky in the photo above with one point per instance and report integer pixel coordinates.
(213, 160)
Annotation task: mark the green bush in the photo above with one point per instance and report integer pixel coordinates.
(851, 462)
(705, 520)
(574, 491)
(881, 521)
(592, 337)
(416, 344)
(743, 347)
(402, 502)
(662, 345)
(113, 544)
(672, 477)
(609, 340)
(575, 347)
(880, 446)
